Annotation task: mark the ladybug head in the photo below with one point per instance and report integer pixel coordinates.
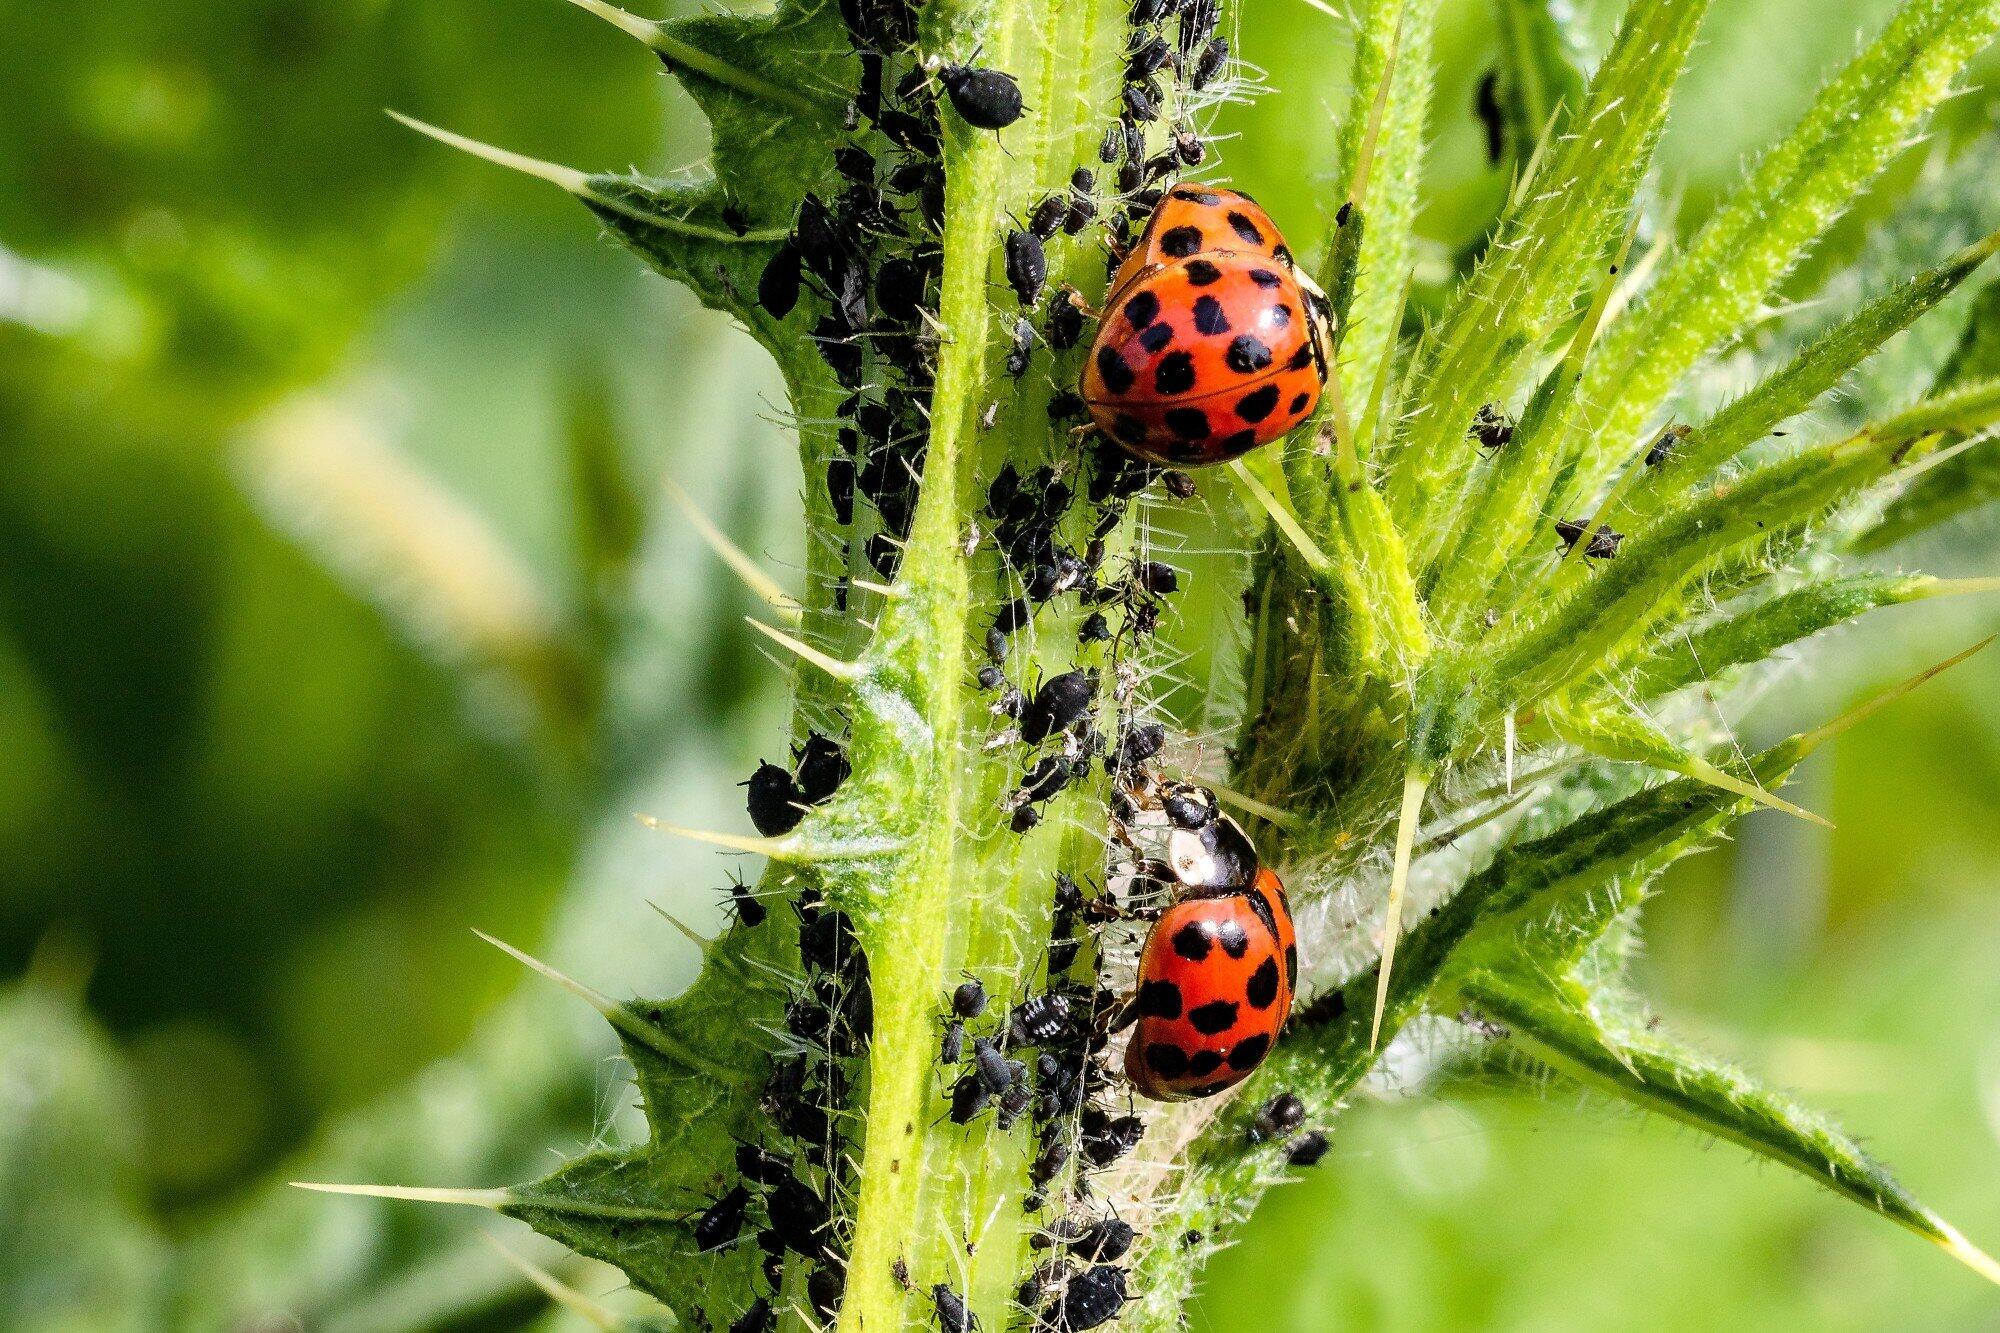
(1320, 321)
(1216, 857)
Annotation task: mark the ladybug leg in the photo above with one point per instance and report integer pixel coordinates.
(1075, 298)
(1124, 1014)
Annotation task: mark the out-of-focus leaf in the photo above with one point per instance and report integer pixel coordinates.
(1604, 1043)
(78, 1252)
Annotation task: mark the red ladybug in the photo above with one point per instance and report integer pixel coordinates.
(1215, 987)
(1212, 343)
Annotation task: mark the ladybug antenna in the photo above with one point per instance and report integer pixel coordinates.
(1414, 786)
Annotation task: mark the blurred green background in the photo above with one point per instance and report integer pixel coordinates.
(342, 610)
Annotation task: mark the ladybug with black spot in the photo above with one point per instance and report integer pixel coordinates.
(1220, 966)
(1212, 342)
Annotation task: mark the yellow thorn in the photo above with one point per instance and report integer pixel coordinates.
(645, 30)
(1955, 587)
(729, 552)
(778, 849)
(1364, 160)
(894, 594)
(1813, 739)
(833, 666)
(557, 1290)
(493, 1199)
(1702, 771)
(596, 999)
(1954, 1243)
(700, 941)
(565, 178)
(1414, 785)
(1281, 514)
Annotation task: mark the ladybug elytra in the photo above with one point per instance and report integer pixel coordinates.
(1220, 966)
(1212, 342)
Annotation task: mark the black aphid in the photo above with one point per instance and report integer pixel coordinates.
(1308, 1148)
(1039, 1020)
(823, 1290)
(1024, 818)
(778, 285)
(1147, 55)
(1493, 428)
(1178, 484)
(1156, 577)
(986, 99)
(1486, 106)
(774, 801)
(1047, 218)
(1105, 1140)
(1045, 778)
(1104, 1241)
(1603, 543)
(800, 1218)
(821, 768)
(1095, 628)
(1013, 615)
(991, 1065)
(1027, 265)
(1060, 703)
(953, 1316)
(760, 1166)
(1214, 57)
(969, 1000)
(1064, 328)
(759, 1318)
(1667, 442)
(1052, 1158)
(1066, 404)
(1022, 349)
(1093, 1297)
(749, 911)
(991, 677)
(1278, 1117)
(1139, 105)
(952, 1050)
(722, 1221)
(1114, 139)
(1189, 148)
(968, 1098)
(1147, 11)
(1013, 1103)
(899, 289)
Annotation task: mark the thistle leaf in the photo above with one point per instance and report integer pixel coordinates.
(1401, 30)
(1814, 370)
(1757, 632)
(1592, 623)
(698, 1061)
(1602, 1042)
(1578, 206)
(1705, 295)
(1962, 483)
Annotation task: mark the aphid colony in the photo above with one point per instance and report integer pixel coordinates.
(1211, 344)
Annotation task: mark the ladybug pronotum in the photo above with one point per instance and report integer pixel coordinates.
(1212, 342)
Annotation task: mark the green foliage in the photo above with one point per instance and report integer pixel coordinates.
(80, 1251)
(1397, 541)
(1416, 620)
